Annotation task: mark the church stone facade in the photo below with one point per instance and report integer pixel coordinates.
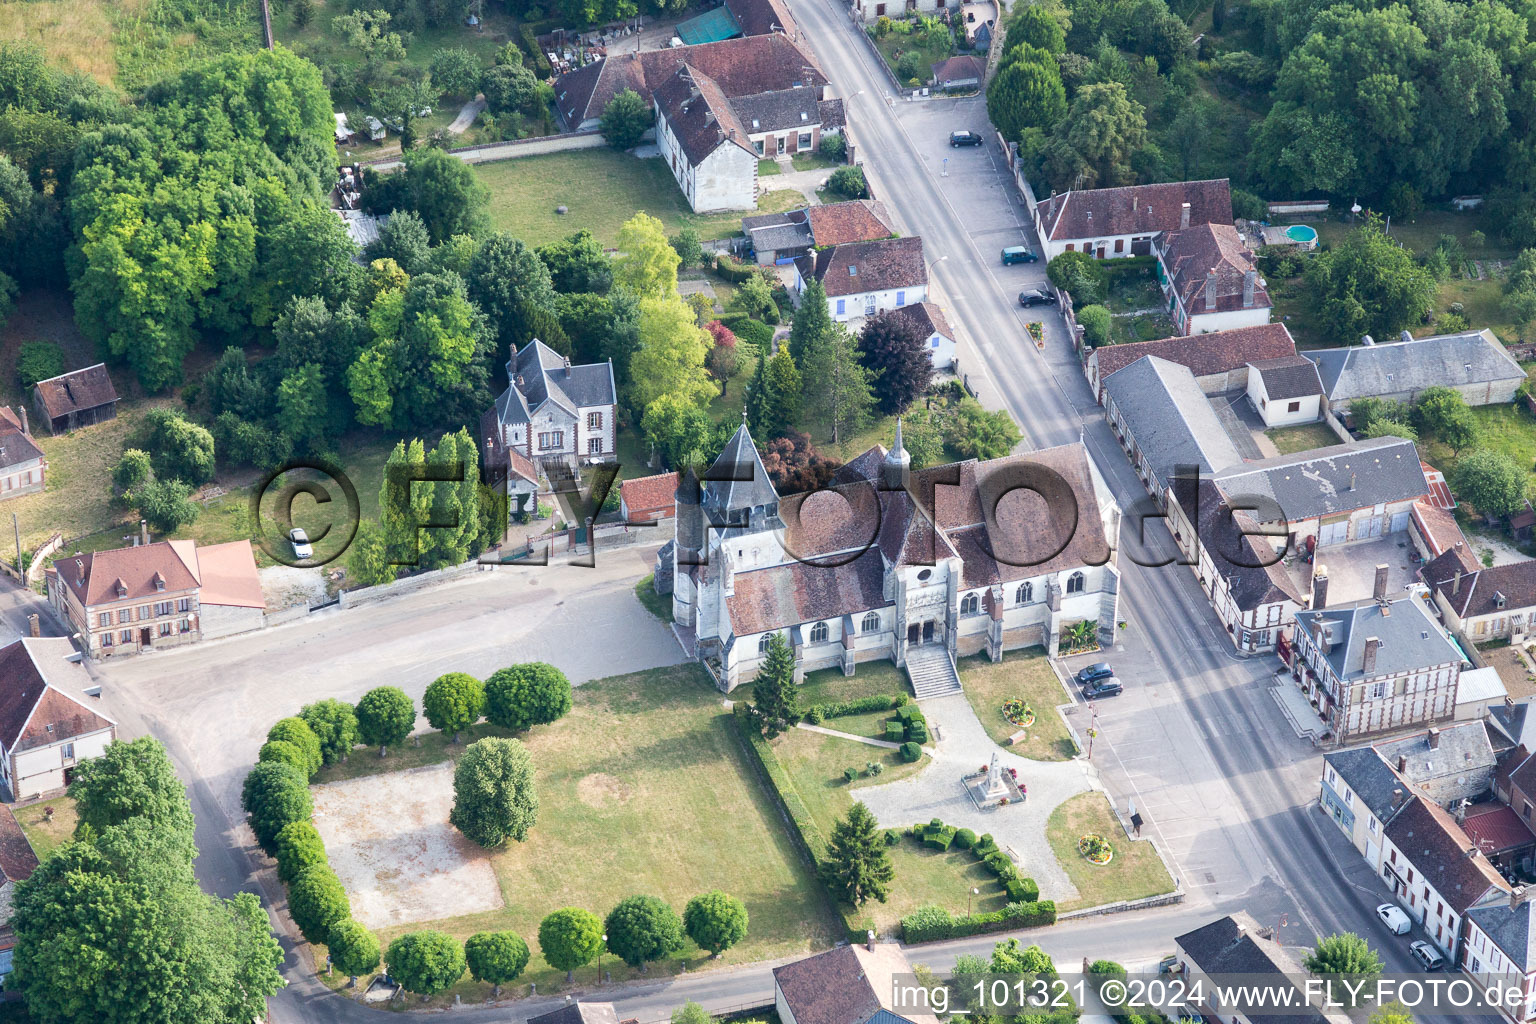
(890, 563)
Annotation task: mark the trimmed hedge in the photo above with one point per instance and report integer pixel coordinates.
(917, 732)
(531, 48)
(894, 731)
(755, 333)
(733, 270)
(930, 923)
(860, 705)
(965, 838)
(938, 836)
(811, 839)
(911, 752)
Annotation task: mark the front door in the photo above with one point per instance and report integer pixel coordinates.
(913, 632)
(928, 632)
(778, 145)
(145, 638)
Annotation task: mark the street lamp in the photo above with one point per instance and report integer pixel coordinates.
(968, 897)
(600, 958)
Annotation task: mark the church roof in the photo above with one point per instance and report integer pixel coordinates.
(738, 479)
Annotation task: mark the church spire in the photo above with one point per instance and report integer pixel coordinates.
(898, 464)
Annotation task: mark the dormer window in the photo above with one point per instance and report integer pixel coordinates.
(853, 271)
(159, 582)
(755, 124)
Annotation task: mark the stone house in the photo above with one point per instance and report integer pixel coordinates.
(958, 74)
(704, 144)
(1208, 279)
(865, 278)
(47, 723)
(1285, 391)
(1220, 361)
(1482, 604)
(1475, 363)
(1113, 222)
(23, 468)
(646, 499)
(1380, 665)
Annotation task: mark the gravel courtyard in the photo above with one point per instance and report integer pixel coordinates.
(390, 843)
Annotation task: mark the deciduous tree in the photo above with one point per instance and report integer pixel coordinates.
(295, 730)
(626, 119)
(641, 929)
(453, 702)
(677, 429)
(570, 938)
(354, 950)
(508, 281)
(318, 902)
(131, 779)
(715, 921)
(1367, 285)
(274, 795)
(385, 717)
(1491, 481)
(896, 353)
(647, 263)
(493, 793)
(670, 358)
(521, 696)
(425, 962)
(495, 958)
(334, 724)
(299, 846)
(1342, 960)
(978, 434)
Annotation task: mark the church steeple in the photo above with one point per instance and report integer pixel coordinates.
(897, 466)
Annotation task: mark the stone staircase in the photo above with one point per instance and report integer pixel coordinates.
(932, 671)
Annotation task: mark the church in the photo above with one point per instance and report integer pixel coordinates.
(915, 567)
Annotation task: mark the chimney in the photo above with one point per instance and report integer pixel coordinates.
(1472, 853)
(1517, 897)
(1210, 289)
(1366, 339)
(1184, 216)
(25, 429)
(1320, 588)
(34, 628)
(1372, 645)
(1397, 798)
(1379, 591)
(1402, 765)
(1434, 737)
(869, 940)
(1249, 278)
(1352, 481)
(1324, 641)
(143, 531)
(1456, 583)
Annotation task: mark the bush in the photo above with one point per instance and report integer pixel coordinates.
(1095, 321)
(892, 836)
(275, 794)
(299, 847)
(910, 65)
(734, 271)
(813, 715)
(895, 731)
(985, 844)
(538, 61)
(998, 861)
(317, 902)
(860, 705)
(296, 731)
(834, 147)
(930, 923)
(917, 732)
(849, 183)
(965, 838)
(38, 360)
(755, 333)
(849, 774)
(927, 924)
(911, 752)
(939, 838)
(1016, 891)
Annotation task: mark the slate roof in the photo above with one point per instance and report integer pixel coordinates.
(579, 1013)
(1288, 377)
(1371, 777)
(1135, 209)
(1516, 721)
(1438, 848)
(16, 446)
(1461, 749)
(1410, 638)
(649, 493)
(741, 66)
(76, 390)
(1480, 590)
(1358, 371)
(1233, 945)
(40, 695)
(928, 318)
(779, 111)
(739, 458)
(547, 376)
(759, 17)
(1204, 354)
(93, 577)
(857, 220)
(1209, 252)
(1331, 480)
(699, 114)
(1170, 418)
(958, 69)
(1512, 930)
(1255, 575)
(856, 267)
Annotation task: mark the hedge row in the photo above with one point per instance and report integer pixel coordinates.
(732, 269)
(940, 836)
(540, 63)
(931, 923)
(858, 706)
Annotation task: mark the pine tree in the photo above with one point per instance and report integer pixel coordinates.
(781, 404)
(857, 867)
(812, 320)
(837, 386)
(775, 697)
(757, 398)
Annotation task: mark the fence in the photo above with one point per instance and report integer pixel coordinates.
(488, 152)
(1293, 207)
(365, 595)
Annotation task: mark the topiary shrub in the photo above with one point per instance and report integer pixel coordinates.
(910, 752)
(965, 838)
(895, 731)
(917, 732)
(813, 715)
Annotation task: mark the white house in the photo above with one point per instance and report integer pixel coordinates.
(938, 336)
(1112, 222)
(1436, 872)
(865, 278)
(1285, 391)
(703, 142)
(47, 722)
(1500, 947)
(1208, 279)
(1486, 603)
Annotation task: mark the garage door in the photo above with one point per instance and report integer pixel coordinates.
(1399, 522)
(1368, 528)
(1333, 533)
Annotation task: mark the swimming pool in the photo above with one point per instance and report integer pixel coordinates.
(1301, 233)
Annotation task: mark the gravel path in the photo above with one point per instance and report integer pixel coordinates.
(938, 792)
(887, 744)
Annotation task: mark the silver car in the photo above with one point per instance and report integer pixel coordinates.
(300, 541)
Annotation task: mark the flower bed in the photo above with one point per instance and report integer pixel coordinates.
(1095, 849)
(1036, 329)
(1018, 713)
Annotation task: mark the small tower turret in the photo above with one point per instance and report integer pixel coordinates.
(896, 470)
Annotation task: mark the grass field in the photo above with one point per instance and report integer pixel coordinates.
(46, 836)
(601, 189)
(815, 765)
(1027, 675)
(643, 788)
(1135, 872)
(1504, 428)
(1301, 438)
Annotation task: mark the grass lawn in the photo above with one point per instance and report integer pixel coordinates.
(1422, 232)
(812, 162)
(1141, 327)
(768, 167)
(1504, 428)
(658, 605)
(601, 189)
(643, 788)
(1302, 438)
(815, 765)
(868, 680)
(1128, 292)
(895, 44)
(1027, 675)
(1136, 870)
(46, 836)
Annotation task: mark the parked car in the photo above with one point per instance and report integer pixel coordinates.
(300, 541)
(965, 138)
(1103, 688)
(1018, 254)
(1427, 955)
(1094, 672)
(1036, 298)
(1392, 915)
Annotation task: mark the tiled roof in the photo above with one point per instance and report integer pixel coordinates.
(1434, 844)
(1439, 491)
(846, 985)
(1511, 929)
(1204, 354)
(856, 267)
(79, 389)
(1288, 377)
(228, 575)
(778, 111)
(795, 592)
(1170, 418)
(16, 447)
(579, 1013)
(1440, 533)
(857, 220)
(743, 66)
(928, 318)
(957, 69)
(1410, 637)
(1135, 209)
(759, 17)
(699, 114)
(94, 576)
(1209, 265)
(1325, 481)
(41, 695)
(833, 114)
(1483, 591)
(1496, 828)
(649, 493)
(1358, 371)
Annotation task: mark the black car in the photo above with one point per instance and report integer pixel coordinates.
(965, 138)
(1103, 688)
(1036, 298)
(1093, 673)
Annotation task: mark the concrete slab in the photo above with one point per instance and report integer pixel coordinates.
(1352, 568)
